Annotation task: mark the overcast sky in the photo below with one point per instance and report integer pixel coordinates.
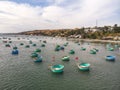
(25, 15)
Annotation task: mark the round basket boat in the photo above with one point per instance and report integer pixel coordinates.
(95, 49)
(15, 47)
(61, 48)
(38, 50)
(92, 51)
(57, 49)
(66, 58)
(82, 48)
(38, 59)
(84, 66)
(111, 49)
(72, 52)
(57, 68)
(34, 45)
(7, 45)
(21, 44)
(43, 45)
(15, 52)
(34, 55)
(110, 58)
(27, 46)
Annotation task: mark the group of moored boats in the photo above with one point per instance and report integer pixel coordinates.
(58, 68)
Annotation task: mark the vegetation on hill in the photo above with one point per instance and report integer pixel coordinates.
(99, 33)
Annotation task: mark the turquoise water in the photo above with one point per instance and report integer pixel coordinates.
(21, 73)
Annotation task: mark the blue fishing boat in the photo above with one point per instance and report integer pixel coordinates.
(110, 58)
(83, 66)
(58, 68)
(15, 52)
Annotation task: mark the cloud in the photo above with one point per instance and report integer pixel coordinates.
(17, 17)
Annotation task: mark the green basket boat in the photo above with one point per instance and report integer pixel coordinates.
(27, 46)
(84, 66)
(82, 48)
(43, 45)
(34, 55)
(38, 50)
(72, 52)
(92, 51)
(66, 58)
(15, 47)
(58, 68)
(111, 49)
(21, 44)
(34, 45)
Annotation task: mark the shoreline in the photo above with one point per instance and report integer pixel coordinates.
(92, 40)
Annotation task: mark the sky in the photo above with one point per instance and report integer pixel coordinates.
(26, 15)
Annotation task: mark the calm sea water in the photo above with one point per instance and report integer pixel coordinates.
(21, 73)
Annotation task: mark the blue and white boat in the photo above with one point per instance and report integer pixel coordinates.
(110, 58)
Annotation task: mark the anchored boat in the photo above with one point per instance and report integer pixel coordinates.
(83, 66)
(58, 68)
(66, 58)
(110, 58)
(38, 59)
